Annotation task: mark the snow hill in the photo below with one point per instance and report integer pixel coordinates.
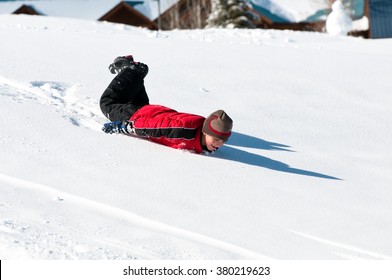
(306, 174)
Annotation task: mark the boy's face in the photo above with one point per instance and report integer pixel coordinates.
(213, 143)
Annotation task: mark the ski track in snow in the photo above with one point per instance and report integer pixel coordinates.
(64, 98)
(160, 235)
(350, 252)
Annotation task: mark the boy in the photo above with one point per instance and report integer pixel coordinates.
(126, 104)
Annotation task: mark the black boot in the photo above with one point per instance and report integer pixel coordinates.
(126, 62)
(120, 63)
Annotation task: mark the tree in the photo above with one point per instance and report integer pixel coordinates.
(230, 14)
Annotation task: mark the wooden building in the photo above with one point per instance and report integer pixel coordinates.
(379, 13)
(193, 14)
(26, 9)
(117, 11)
(124, 13)
(186, 14)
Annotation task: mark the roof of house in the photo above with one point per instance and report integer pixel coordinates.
(88, 9)
(85, 9)
(289, 11)
(125, 13)
(278, 11)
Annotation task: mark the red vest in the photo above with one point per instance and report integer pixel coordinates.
(169, 127)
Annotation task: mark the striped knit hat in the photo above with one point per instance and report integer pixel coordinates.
(218, 125)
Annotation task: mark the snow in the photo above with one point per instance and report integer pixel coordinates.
(338, 21)
(84, 9)
(305, 175)
(293, 11)
(361, 24)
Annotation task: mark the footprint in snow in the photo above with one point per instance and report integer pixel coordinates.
(65, 98)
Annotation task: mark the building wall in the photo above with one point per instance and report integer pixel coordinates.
(380, 12)
(186, 14)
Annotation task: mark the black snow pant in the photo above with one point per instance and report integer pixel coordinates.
(124, 96)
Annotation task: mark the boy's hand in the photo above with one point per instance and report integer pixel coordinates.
(123, 127)
(112, 127)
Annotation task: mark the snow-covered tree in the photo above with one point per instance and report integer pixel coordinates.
(230, 14)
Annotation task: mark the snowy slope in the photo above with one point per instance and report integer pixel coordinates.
(306, 174)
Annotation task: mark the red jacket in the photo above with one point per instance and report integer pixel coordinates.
(169, 127)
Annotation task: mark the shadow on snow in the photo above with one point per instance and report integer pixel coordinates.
(242, 140)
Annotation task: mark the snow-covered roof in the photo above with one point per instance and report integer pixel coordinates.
(276, 10)
(150, 7)
(86, 9)
(300, 10)
(289, 10)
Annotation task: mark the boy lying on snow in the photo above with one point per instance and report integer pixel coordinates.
(126, 104)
